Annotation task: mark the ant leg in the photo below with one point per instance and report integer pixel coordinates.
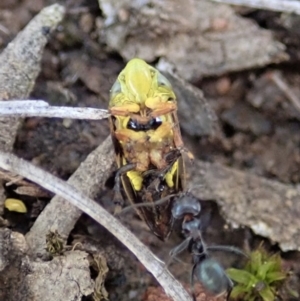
(179, 249)
(192, 282)
(156, 203)
(118, 199)
(230, 287)
(170, 158)
(162, 172)
(230, 249)
(169, 261)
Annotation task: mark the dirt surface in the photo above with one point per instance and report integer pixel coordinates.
(258, 122)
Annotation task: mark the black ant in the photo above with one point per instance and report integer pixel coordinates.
(208, 271)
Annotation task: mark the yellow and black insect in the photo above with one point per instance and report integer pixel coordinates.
(147, 141)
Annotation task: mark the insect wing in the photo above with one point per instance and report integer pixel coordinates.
(116, 143)
(159, 218)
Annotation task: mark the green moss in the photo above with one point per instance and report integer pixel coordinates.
(55, 243)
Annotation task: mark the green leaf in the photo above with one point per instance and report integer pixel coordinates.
(276, 263)
(241, 276)
(292, 292)
(237, 292)
(276, 259)
(251, 296)
(275, 276)
(264, 269)
(255, 262)
(267, 294)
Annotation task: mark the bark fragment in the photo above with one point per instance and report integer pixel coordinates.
(271, 209)
(200, 38)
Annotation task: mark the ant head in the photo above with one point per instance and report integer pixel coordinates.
(184, 204)
(212, 276)
(191, 227)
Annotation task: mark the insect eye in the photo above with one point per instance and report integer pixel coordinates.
(115, 89)
(162, 81)
(155, 123)
(161, 187)
(132, 124)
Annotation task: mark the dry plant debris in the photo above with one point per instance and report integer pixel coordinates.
(216, 41)
(269, 208)
(68, 193)
(60, 215)
(66, 277)
(288, 6)
(100, 264)
(200, 38)
(21, 60)
(201, 120)
(40, 108)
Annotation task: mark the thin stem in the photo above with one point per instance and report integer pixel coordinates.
(40, 108)
(288, 6)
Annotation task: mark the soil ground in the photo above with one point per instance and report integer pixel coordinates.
(77, 70)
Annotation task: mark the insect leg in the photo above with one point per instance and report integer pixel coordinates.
(230, 287)
(156, 203)
(230, 249)
(160, 108)
(124, 110)
(179, 143)
(192, 282)
(118, 199)
(180, 248)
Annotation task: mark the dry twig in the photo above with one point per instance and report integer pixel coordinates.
(60, 215)
(79, 199)
(19, 67)
(279, 81)
(287, 6)
(40, 108)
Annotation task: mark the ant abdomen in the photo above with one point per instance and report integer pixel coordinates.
(212, 276)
